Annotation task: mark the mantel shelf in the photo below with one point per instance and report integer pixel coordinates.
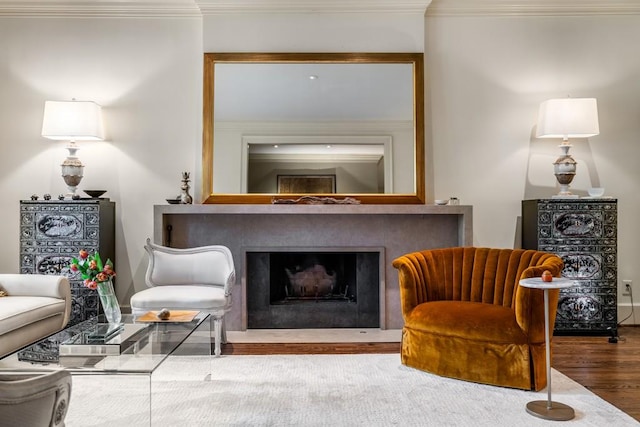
(308, 209)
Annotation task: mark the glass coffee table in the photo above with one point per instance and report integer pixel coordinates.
(137, 351)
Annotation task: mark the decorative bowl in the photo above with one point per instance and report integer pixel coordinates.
(441, 202)
(596, 191)
(173, 201)
(94, 193)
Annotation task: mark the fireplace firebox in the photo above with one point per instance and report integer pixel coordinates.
(313, 289)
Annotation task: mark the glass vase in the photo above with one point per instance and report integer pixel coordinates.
(109, 302)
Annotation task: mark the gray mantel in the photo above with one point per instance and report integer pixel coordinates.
(391, 229)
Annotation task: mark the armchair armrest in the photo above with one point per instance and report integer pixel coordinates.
(529, 303)
(39, 285)
(412, 282)
(229, 283)
(553, 263)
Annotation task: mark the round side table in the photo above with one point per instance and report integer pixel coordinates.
(548, 409)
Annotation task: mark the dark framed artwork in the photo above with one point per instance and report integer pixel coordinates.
(312, 184)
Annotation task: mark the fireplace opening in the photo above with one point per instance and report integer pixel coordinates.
(313, 289)
(302, 277)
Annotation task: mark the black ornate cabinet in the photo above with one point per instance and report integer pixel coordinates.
(583, 232)
(53, 231)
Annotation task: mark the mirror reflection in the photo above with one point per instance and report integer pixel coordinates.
(358, 165)
(292, 124)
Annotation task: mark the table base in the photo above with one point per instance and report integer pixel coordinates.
(556, 411)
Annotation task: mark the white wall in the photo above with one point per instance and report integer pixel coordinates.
(487, 77)
(146, 73)
(309, 32)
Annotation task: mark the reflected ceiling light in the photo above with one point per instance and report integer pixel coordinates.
(313, 77)
(72, 121)
(567, 118)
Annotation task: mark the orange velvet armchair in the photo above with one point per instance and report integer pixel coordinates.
(467, 317)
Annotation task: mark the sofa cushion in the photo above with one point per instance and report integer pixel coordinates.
(467, 320)
(18, 311)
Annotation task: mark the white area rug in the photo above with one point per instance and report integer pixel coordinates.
(320, 390)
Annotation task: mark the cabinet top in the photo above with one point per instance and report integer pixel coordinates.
(56, 201)
(578, 200)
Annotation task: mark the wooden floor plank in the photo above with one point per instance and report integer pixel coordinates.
(311, 348)
(611, 371)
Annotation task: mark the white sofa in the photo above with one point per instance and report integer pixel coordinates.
(35, 307)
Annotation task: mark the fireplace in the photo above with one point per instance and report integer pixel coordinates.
(391, 230)
(313, 289)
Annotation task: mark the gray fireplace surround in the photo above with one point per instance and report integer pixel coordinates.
(390, 230)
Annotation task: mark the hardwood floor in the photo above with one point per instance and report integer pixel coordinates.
(611, 371)
(312, 348)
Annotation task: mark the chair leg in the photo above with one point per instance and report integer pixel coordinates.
(217, 327)
(224, 331)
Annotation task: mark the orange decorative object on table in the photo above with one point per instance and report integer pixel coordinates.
(547, 276)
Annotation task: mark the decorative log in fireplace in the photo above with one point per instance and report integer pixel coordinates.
(312, 283)
(304, 289)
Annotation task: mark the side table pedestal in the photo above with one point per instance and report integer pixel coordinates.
(554, 411)
(548, 409)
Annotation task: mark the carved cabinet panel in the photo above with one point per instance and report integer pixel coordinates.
(52, 232)
(583, 232)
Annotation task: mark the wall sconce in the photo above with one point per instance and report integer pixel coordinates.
(72, 121)
(567, 118)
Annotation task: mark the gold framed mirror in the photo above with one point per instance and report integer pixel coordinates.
(235, 125)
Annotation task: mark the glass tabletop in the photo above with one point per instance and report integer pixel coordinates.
(92, 347)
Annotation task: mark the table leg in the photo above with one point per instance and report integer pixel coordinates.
(549, 410)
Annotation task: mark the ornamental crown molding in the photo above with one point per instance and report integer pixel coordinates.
(532, 7)
(100, 8)
(214, 7)
(198, 8)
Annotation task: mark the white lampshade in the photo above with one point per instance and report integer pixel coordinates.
(568, 118)
(72, 120)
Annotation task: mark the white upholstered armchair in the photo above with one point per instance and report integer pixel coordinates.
(34, 398)
(198, 278)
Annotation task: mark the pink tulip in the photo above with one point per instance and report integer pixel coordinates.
(83, 254)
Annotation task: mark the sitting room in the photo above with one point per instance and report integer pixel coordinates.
(331, 148)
